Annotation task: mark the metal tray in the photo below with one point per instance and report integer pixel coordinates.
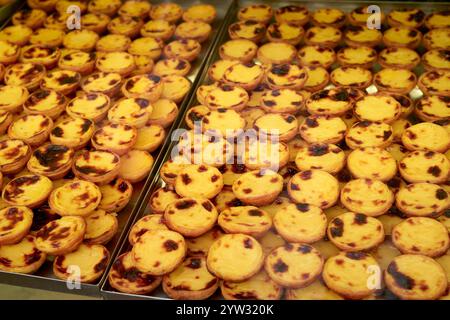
(144, 209)
(44, 277)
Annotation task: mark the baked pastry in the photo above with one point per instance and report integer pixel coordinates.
(433, 108)
(149, 222)
(115, 137)
(347, 274)
(147, 86)
(235, 247)
(62, 81)
(149, 137)
(239, 49)
(426, 136)
(126, 26)
(200, 12)
(436, 59)
(160, 29)
(258, 287)
(191, 280)
(351, 77)
(5, 120)
(328, 17)
(108, 7)
(281, 101)
(372, 163)
(326, 157)
(48, 37)
(9, 52)
(135, 165)
(144, 64)
(412, 18)
(158, 252)
(249, 29)
(91, 106)
(316, 56)
(91, 260)
(295, 14)
(33, 129)
(100, 82)
(96, 22)
(131, 111)
(195, 30)
(276, 53)
(215, 73)
(244, 75)
(404, 278)
(322, 129)
(199, 181)
(395, 80)
(200, 246)
(164, 113)
(285, 32)
(324, 36)
(18, 34)
(422, 199)
(73, 133)
(147, 46)
(294, 265)
(258, 188)
(360, 15)
(246, 220)
(50, 160)
(398, 57)
(33, 18)
(370, 197)
(46, 5)
(332, 102)
(421, 235)
(387, 108)
(96, 166)
(435, 82)
(113, 42)
(187, 49)
(355, 232)
(28, 75)
(369, 134)
(75, 198)
(115, 195)
(124, 277)
(171, 12)
(425, 166)
(437, 39)
(317, 79)
(284, 127)
(360, 56)
(134, 8)
(286, 76)
(191, 217)
(399, 126)
(315, 291)
(83, 40)
(261, 13)
(226, 97)
(315, 187)
(78, 61)
(117, 62)
(101, 227)
(161, 198)
(22, 257)
(14, 155)
(63, 5)
(175, 88)
(12, 98)
(57, 20)
(172, 66)
(15, 222)
(61, 236)
(40, 55)
(402, 37)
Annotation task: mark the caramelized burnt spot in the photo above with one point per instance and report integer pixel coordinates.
(280, 69)
(41, 216)
(207, 205)
(255, 213)
(441, 194)
(434, 171)
(185, 204)
(303, 207)
(14, 188)
(360, 219)
(248, 243)
(194, 263)
(303, 248)
(170, 245)
(185, 178)
(338, 228)
(311, 122)
(417, 16)
(356, 255)
(132, 274)
(102, 264)
(306, 175)
(402, 280)
(51, 155)
(318, 150)
(280, 266)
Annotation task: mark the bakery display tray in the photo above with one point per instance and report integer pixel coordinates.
(156, 182)
(44, 278)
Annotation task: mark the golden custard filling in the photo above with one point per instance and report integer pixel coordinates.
(324, 34)
(12, 150)
(77, 128)
(399, 56)
(30, 125)
(39, 53)
(175, 85)
(50, 157)
(80, 38)
(8, 49)
(402, 35)
(316, 76)
(349, 75)
(279, 76)
(130, 109)
(358, 55)
(124, 24)
(255, 12)
(76, 58)
(440, 38)
(89, 105)
(99, 223)
(363, 34)
(284, 31)
(44, 100)
(14, 219)
(328, 15)
(27, 189)
(438, 20)
(225, 97)
(96, 163)
(394, 78)
(102, 81)
(193, 29)
(408, 17)
(45, 36)
(11, 95)
(191, 275)
(24, 73)
(437, 81)
(312, 54)
(142, 84)
(114, 135)
(276, 124)
(15, 34)
(247, 29)
(437, 58)
(75, 196)
(156, 28)
(243, 73)
(61, 79)
(113, 42)
(115, 60)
